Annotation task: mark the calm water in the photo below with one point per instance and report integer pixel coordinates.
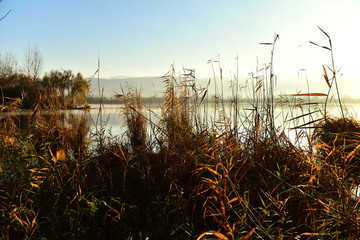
(112, 118)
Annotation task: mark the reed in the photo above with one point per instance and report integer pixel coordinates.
(184, 174)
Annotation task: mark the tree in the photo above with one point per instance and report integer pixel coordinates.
(79, 90)
(33, 62)
(71, 89)
(8, 65)
(57, 82)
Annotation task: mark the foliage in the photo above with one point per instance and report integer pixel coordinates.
(55, 90)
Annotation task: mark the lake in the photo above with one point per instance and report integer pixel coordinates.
(112, 118)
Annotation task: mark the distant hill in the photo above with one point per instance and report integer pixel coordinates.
(155, 86)
(149, 86)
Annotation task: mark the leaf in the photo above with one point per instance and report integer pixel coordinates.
(34, 220)
(60, 155)
(323, 32)
(326, 77)
(248, 235)
(202, 98)
(119, 96)
(307, 103)
(210, 182)
(213, 171)
(36, 110)
(312, 234)
(308, 123)
(352, 153)
(52, 156)
(234, 200)
(216, 234)
(257, 127)
(312, 178)
(303, 115)
(34, 185)
(306, 94)
(257, 89)
(281, 103)
(320, 45)
(314, 43)
(220, 236)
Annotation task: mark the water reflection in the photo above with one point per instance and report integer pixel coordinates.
(76, 128)
(48, 131)
(114, 123)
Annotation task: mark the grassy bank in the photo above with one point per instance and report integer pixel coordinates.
(194, 174)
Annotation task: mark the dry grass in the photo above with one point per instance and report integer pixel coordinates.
(232, 176)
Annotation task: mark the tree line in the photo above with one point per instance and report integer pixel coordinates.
(57, 89)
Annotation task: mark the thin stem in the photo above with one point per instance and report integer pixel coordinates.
(334, 76)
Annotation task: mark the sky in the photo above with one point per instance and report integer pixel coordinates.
(140, 38)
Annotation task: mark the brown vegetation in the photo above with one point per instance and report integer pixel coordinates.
(187, 176)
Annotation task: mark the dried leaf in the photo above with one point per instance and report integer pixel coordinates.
(258, 88)
(310, 234)
(60, 155)
(308, 123)
(119, 96)
(303, 115)
(257, 127)
(34, 185)
(202, 98)
(220, 236)
(324, 32)
(314, 43)
(352, 153)
(326, 77)
(306, 94)
(312, 178)
(36, 110)
(216, 234)
(320, 45)
(248, 236)
(234, 200)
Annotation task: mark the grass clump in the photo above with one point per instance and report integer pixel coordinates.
(185, 174)
(339, 139)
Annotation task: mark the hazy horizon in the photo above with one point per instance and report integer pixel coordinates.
(143, 39)
(153, 86)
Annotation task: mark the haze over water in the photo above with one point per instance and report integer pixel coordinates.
(142, 38)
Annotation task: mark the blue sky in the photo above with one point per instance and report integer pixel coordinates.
(143, 38)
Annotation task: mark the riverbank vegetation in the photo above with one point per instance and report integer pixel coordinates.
(55, 90)
(230, 173)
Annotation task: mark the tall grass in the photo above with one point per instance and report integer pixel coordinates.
(188, 175)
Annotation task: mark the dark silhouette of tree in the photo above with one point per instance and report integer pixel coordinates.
(70, 89)
(57, 89)
(79, 90)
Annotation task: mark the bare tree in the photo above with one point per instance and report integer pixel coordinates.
(8, 64)
(33, 62)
